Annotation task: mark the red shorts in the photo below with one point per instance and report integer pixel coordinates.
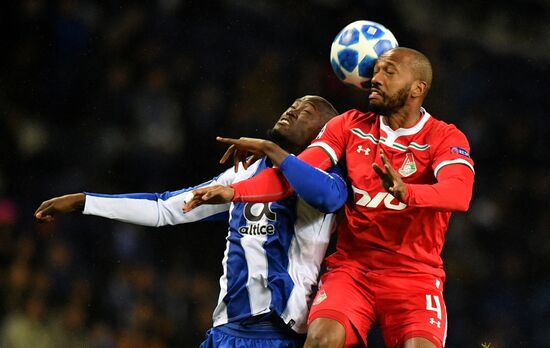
(404, 305)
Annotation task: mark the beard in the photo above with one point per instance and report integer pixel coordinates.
(391, 104)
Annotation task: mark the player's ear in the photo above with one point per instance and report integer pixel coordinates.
(419, 88)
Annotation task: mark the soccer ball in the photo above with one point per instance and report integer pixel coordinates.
(355, 50)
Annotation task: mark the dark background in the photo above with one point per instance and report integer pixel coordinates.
(115, 97)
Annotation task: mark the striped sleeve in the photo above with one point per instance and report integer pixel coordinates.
(156, 209)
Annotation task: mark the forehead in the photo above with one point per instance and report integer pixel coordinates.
(394, 58)
(305, 102)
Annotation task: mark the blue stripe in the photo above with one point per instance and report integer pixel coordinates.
(237, 298)
(276, 248)
(224, 215)
(151, 196)
(221, 216)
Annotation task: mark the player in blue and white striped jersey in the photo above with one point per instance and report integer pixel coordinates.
(274, 249)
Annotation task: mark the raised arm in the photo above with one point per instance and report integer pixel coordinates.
(271, 184)
(326, 191)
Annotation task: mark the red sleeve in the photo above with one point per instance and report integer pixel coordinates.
(452, 192)
(333, 137)
(271, 185)
(452, 149)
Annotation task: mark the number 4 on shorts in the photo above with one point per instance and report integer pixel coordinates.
(433, 304)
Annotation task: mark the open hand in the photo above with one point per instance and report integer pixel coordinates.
(216, 194)
(242, 148)
(390, 178)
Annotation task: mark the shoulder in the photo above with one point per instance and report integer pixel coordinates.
(447, 140)
(440, 131)
(354, 116)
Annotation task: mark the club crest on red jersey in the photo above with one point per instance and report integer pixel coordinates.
(409, 165)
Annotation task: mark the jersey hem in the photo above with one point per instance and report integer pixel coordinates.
(343, 320)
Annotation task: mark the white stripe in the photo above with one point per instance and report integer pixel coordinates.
(446, 322)
(219, 316)
(256, 260)
(418, 146)
(455, 161)
(328, 149)
(305, 255)
(296, 299)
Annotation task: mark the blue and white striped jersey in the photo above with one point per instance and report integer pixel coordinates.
(273, 253)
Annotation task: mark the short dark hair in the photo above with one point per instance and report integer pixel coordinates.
(322, 105)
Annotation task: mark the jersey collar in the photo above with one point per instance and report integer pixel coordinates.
(392, 135)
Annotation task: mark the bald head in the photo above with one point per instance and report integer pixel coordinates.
(417, 62)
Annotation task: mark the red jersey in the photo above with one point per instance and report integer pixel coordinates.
(379, 233)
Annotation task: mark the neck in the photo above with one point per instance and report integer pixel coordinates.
(293, 149)
(402, 118)
(284, 143)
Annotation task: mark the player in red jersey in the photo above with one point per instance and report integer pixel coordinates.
(408, 171)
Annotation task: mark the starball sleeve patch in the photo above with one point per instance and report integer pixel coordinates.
(459, 151)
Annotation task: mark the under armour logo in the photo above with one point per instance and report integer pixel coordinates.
(435, 322)
(365, 151)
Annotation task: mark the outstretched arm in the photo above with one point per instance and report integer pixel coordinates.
(271, 184)
(151, 209)
(148, 209)
(325, 191)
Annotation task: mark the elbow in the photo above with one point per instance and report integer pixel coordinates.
(334, 205)
(328, 207)
(331, 203)
(463, 206)
(462, 209)
(320, 203)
